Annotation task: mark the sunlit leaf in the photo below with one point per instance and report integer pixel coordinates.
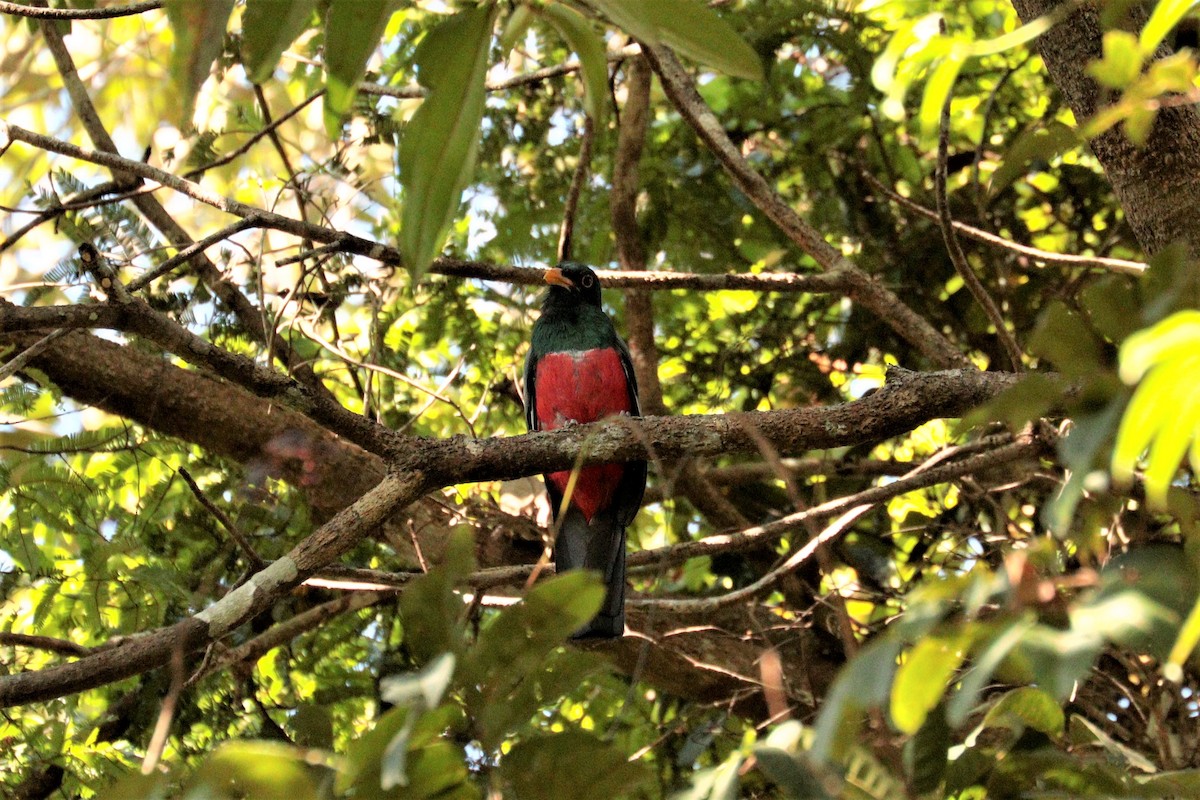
(1166, 15)
(922, 678)
(937, 90)
(1164, 414)
(1027, 706)
(352, 31)
(593, 60)
(1122, 61)
(437, 152)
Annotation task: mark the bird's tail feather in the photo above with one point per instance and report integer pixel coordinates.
(599, 546)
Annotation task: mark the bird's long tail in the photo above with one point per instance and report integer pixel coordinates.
(599, 546)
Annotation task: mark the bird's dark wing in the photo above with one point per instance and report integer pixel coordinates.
(633, 480)
(530, 379)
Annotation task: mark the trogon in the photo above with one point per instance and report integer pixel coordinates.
(578, 371)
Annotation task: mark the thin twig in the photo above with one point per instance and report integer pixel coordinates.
(1120, 265)
(247, 313)
(111, 12)
(18, 362)
(288, 630)
(536, 76)
(836, 281)
(391, 373)
(566, 233)
(954, 248)
(751, 538)
(235, 533)
(269, 130)
(187, 253)
(60, 646)
(162, 728)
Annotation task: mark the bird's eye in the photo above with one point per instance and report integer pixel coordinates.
(587, 281)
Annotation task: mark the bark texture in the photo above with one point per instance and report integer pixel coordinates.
(1158, 185)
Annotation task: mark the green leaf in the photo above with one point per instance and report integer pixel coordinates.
(1144, 595)
(1167, 14)
(1028, 707)
(352, 32)
(439, 770)
(265, 770)
(1007, 637)
(1122, 61)
(922, 678)
(1107, 302)
(1084, 731)
(937, 91)
(1167, 785)
(593, 59)
(136, 786)
(429, 608)
(312, 726)
(571, 764)
(515, 27)
(1027, 399)
(1173, 338)
(268, 27)
(1065, 340)
(1056, 659)
(1189, 637)
(503, 671)
(199, 30)
(1164, 414)
(690, 28)
(862, 684)
(437, 152)
(716, 783)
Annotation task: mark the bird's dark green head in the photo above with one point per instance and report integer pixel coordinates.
(572, 284)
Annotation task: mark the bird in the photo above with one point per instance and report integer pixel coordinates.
(578, 371)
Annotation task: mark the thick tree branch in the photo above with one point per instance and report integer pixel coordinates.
(1140, 174)
(908, 399)
(881, 301)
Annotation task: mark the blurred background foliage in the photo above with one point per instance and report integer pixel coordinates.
(1022, 630)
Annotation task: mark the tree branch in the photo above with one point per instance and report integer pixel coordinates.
(954, 247)
(1121, 265)
(111, 12)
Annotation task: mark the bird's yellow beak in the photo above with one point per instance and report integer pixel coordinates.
(555, 277)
